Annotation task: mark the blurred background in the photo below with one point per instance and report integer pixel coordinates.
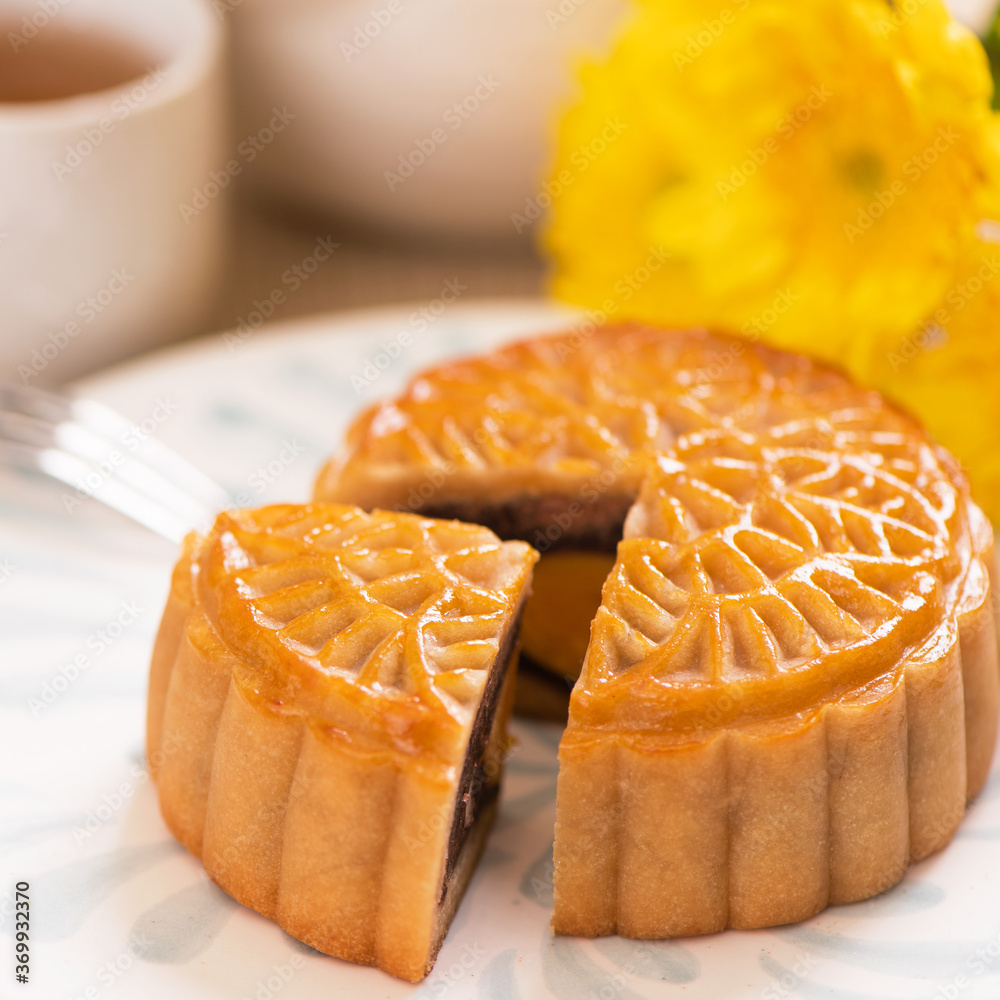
(276, 158)
(406, 133)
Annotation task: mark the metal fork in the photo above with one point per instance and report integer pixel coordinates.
(93, 449)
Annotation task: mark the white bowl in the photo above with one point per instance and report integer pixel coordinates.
(422, 115)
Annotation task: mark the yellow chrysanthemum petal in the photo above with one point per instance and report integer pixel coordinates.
(948, 370)
(812, 174)
(821, 151)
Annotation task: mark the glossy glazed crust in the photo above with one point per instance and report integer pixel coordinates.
(341, 837)
(791, 688)
(768, 823)
(570, 417)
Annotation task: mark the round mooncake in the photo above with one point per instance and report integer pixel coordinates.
(790, 687)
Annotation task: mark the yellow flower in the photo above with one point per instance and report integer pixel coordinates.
(948, 371)
(809, 171)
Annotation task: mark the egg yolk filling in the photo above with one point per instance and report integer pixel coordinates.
(565, 596)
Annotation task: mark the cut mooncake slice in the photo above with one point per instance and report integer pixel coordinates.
(328, 701)
(791, 687)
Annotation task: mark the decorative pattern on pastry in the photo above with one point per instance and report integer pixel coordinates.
(791, 686)
(328, 701)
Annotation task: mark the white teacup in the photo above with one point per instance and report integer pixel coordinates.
(98, 257)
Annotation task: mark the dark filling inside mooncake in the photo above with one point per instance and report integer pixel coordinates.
(549, 521)
(480, 783)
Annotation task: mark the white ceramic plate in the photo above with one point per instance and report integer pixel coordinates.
(119, 911)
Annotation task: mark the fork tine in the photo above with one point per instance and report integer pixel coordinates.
(115, 429)
(73, 440)
(168, 463)
(99, 460)
(33, 402)
(81, 441)
(69, 469)
(122, 498)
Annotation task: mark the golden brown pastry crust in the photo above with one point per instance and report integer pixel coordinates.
(772, 714)
(315, 687)
(791, 689)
